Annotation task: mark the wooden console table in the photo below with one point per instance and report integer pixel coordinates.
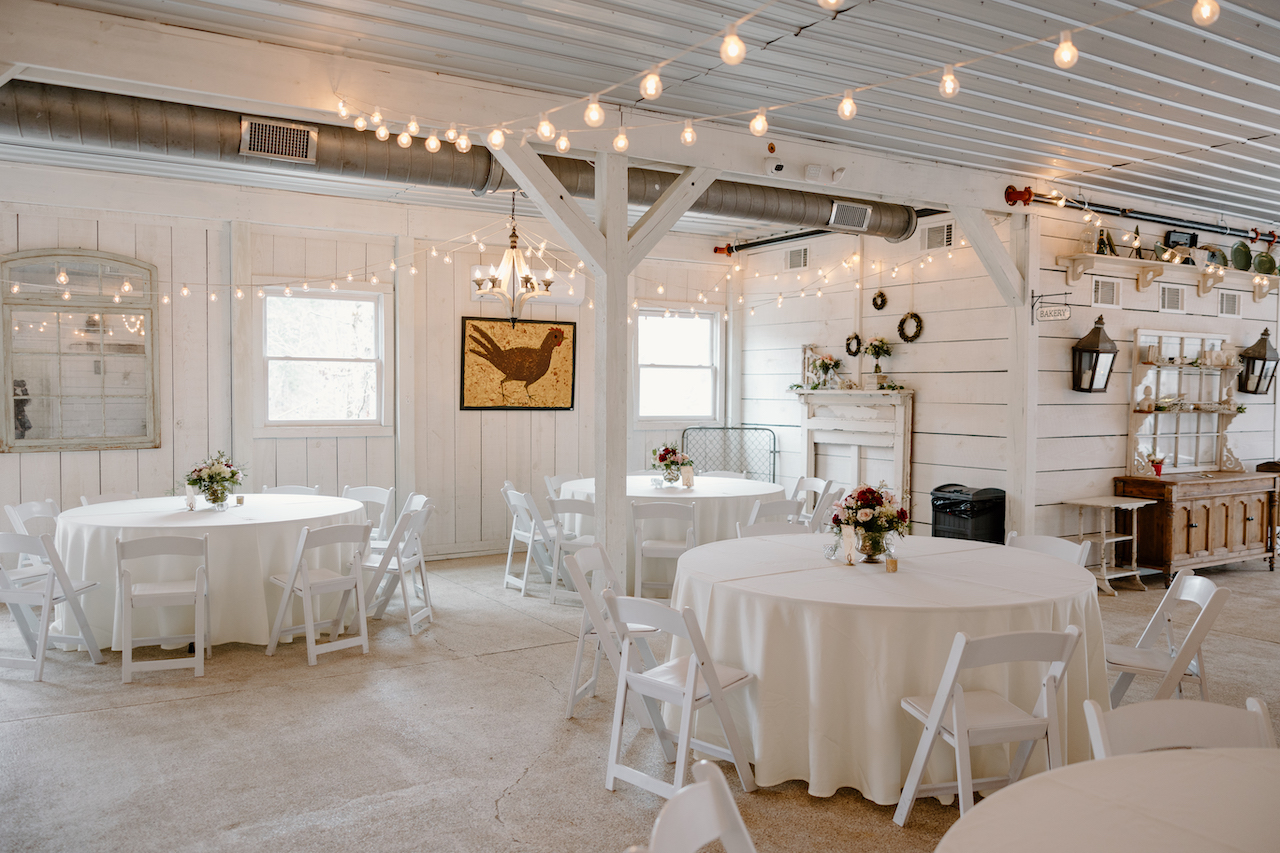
(1108, 506)
(1201, 519)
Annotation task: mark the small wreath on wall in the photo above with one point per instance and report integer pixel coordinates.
(910, 317)
(879, 300)
(853, 344)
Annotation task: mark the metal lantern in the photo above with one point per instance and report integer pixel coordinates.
(1092, 358)
(1259, 363)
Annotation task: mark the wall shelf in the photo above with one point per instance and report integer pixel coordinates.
(1147, 271)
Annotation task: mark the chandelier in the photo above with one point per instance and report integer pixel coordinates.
(511, 281)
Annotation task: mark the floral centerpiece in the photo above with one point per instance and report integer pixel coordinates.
(826, 367)
(870, 514)
(879, 348)
(214, 478)
(669, 460)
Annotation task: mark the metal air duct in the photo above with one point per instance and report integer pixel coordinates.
(41, 113)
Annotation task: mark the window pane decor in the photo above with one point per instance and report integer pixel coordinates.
(77, 351)
(323, 359)
(677, 370)
(1185, 375)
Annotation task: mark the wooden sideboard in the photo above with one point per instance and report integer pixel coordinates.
(1202, 519)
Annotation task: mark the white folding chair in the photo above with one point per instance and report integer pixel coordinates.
(308, 582)
(819, 517)
(806, 486)
(596, 628)
(699, 814)
(1171, 724)
(657, 548)
(968, 718)
(1177, 662)
(90, 500)
(412, 504)
(379, 504)
(521, 531)
(398, 567)
(554, 483)
(539, 541)
(786, 509)
(691, 681)
(291, 490)
(731, 475)
(33, 518)
(163, 593)
(771, 528)
(566, 541)
(45, 590)
(1063, 549)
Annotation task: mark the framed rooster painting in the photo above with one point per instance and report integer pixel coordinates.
(526, 365)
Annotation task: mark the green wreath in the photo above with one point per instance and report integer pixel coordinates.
(853, 344)
(879, 300)
(910, 316)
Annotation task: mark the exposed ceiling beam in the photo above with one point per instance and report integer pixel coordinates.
(991, 251)
(666, 211)
(8, 71)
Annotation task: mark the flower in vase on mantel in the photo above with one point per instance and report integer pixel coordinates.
(879, 348)
(874, 513)
(669, 460)
(826, 367)
(215, 476)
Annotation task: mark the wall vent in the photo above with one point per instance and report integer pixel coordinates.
(1106, 292)
(1228, 303)
(278, 140)
(797, 259)
(937, 236)
(854, 217)
(1173, 298)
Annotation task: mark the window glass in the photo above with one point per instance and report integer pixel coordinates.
(677, 366)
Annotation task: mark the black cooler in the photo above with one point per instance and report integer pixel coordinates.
(964, 512)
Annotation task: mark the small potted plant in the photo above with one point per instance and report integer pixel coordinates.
(879, 348)
(1156, 461)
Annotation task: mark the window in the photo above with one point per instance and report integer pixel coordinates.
(78, 357)
(677, 366)
(322, 362)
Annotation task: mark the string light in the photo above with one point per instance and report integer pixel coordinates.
(594, 114)
(620, 142)
(413, 270)
(373, 279)
(360, 124)
(333, 285)
(13, 288)
(164, 300)
(376, 118)
(392, 266)
(350, 277)
(382, 133)
(66, 294)
(847, 109)
(412, 127)
(451, 135)
(306, 286)
(661, 290)
(62, 277)
(546, 130)
(688, 136)
(651, 86)
(127, 286)
(1066, 54)
(1205, 12)
(432, 142)
(496, 139)
(949, 85)
(343, 112)
(213, 296)
(239, 293)
(562, 144)
(759, 125)
(404, 140)
(830, 4)
(288, 291)
(463, 144)
(261, 293)
(732, 50)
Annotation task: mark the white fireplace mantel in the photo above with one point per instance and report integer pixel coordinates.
(861, 419)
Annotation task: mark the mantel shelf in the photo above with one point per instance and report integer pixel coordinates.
(854, 394)
(1146, 271)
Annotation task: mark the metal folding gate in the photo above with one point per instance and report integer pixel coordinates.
(750, 449)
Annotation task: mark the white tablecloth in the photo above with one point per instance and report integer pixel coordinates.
(722, 503)
(835, 648)
(1174, 801)
(247, 544)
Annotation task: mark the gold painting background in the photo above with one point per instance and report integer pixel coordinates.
(482, 382)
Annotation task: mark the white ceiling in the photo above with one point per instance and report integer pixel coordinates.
(1156, 109)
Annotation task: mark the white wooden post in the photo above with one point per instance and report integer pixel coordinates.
(404, 300)
(242, 367)
(1024, 385)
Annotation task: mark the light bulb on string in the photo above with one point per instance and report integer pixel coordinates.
(306, 286)
(779, 300)
(261, 293)
(732, 50)
(373, 279)
(392, 266)
(753, 311)
(688, 136)
(620, 142)
(412, 127)
(13, 288)
(432, 142)
(62, 277)
(1061, 202)
(213, 296)
(382, 133)
(759, 125)
(496, 139)
(333, 285)
(546, 130)
(288, 291)
(463, 144)
(164, 300)
(847, 109)
(829, 4)
(1205, 12)
(448, 259)
(562, 144)
(594, 114)
(185, 291)
(451, 135)
(404, 140)
(350, 277)
(1066, 54)
(949, 85)
(66, 294)
(343, 112)
(661, 290)
(361, 124)
(376, 118)
(413, 269)
(651, 86)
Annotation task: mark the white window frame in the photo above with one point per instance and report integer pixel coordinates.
(142, 300)
(381, 295)
(717, 373)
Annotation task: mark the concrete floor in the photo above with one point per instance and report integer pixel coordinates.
(451, 740)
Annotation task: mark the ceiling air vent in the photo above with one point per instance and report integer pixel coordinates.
(1228, 303)
(1172, 298)
(854, 217)
(1106, 292)
(278, 140)
(937, 236)
(797, 259)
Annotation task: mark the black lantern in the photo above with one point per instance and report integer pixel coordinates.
(1259, 363)
(1092, 358)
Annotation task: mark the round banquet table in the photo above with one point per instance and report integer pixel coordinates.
(1192, 800)
(722, 503)
(835, 648)
(247, 544)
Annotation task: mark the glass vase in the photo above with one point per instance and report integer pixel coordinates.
(670, 475)
(871, 546)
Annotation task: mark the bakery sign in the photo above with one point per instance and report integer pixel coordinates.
(1046, 313)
